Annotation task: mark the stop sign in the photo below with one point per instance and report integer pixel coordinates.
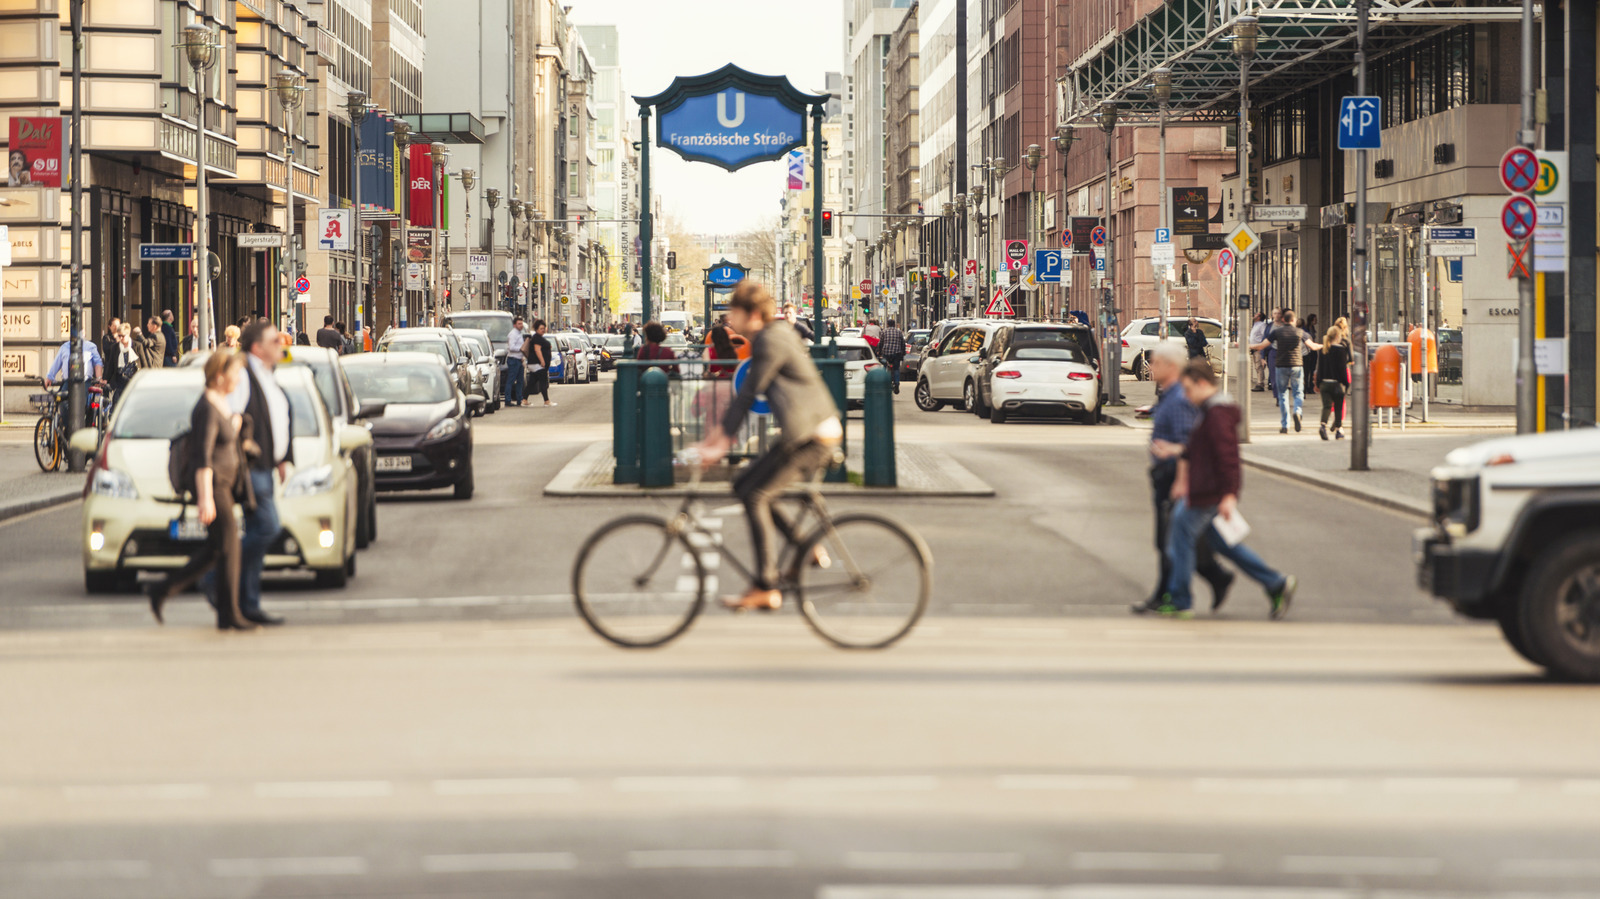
(866, 285)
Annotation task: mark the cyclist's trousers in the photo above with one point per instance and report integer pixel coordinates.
(763, 482)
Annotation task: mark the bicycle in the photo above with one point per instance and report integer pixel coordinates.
(51, 433)
(641, 580)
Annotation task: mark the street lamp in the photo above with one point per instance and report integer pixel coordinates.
(1031, 160)
(1161, 88)
(469, 178)
(1108, 308)
(1245, 35)
(441, 259)
(516, 207)
(289, 87)
(492, 195)
(1066, 136)
(402, 141)
(200, 45)
(355, 106)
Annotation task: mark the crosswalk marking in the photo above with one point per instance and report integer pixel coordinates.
(505, 786)
(1072, 782)
(499, 861)
(326, 866)
(330, 789)
(1360, 865)
(1146, 861)
(933, 861)
(711, 858)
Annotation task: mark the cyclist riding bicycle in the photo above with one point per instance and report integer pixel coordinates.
(781, 368)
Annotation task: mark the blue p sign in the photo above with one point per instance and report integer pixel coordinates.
(1359, 123)
(1163, 235)
(1047, 265)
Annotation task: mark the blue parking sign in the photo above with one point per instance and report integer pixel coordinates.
(1360, 123)
(1047, 265)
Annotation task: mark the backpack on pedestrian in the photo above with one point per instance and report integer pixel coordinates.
(180, 465)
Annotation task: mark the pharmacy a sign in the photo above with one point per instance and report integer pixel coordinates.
(731, 118)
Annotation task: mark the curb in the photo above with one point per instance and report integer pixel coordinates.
(1392, 503)
(23, 507)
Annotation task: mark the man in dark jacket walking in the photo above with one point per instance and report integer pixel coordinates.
(892, 350)
(271, 430)
(1207, 488)
(170, 335)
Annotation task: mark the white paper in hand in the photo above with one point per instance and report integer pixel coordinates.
(1231, 530)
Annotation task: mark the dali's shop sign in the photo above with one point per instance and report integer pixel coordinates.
(731, 118)
(34, 155)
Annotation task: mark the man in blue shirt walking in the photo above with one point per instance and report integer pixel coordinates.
(1174, 417)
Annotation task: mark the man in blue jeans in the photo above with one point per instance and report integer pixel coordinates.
(514, 361)
(1286, 341)
(271, 429)
(1208, 486)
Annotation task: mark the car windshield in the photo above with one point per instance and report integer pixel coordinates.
(856, 353)
(429, 345)
(156, 413)
(477, 345)
(1046, 335)
(403, 383)
(1046, 353)
(613, 342)
(498, 326)
(302, 412)
(917, 338)
(1179, 328)
(327, 382)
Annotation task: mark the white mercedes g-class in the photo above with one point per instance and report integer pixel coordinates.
(1516, 539)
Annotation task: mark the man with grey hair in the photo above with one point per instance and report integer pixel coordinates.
(1173, 418)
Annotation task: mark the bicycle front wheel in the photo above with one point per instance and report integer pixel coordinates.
(872, 583)
(637, 583)
(46, 445)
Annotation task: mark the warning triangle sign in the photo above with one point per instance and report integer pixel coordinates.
(999, 305)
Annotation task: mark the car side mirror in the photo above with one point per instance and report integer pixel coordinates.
(474, 402)
(85, 440)
(975, 359)
(371, 410)
(351, 439)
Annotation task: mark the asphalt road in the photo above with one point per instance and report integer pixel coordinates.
(1068, 533)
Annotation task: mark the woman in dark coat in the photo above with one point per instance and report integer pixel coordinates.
(219, 480)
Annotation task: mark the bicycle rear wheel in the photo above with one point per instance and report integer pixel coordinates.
(875, 586)
(46, 444)
(637, 583)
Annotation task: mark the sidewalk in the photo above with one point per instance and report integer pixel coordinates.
(1398, 461)
(23, 487)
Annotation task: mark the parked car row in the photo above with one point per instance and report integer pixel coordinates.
(997, 369)
(362, 424)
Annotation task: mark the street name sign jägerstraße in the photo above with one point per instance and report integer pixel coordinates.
(731, 118)
(1278, 213)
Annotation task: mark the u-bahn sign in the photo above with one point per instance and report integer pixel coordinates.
(731, 118)
(728, 274)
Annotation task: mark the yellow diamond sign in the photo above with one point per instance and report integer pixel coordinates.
(855, 293)
(1243, 239)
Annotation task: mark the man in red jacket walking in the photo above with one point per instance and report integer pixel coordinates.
(1208, 486)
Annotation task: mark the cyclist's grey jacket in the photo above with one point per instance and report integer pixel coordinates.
(781, 368)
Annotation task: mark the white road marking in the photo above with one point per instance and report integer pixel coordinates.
(1550, 867)
(499, 861)
(134, 792)
(1272, 786)
(906, 784)
(1071, 782)
(505, 786)
(96, 869)
(1581, 787)
(677, 784)
(1165, 891)
(711, 858)
(324, 866)
(325, 789)
(890, 891)
(1465, 786)
(933, 861)
(1146, 861)
(686, 584)
(699, 540)
(1361, 864)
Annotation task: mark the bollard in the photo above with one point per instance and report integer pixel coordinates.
(877, 467)
(625, 425)
(832, 370)
(655, 439)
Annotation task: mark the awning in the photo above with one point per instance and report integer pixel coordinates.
(446, 127)
(1302, 43)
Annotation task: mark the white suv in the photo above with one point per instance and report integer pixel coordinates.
(1141, 336)
(947, 376)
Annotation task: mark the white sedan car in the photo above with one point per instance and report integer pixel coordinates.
(859, 358)
(132, 521)
(1044, 377)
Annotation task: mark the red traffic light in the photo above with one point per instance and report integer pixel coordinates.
(827, 223)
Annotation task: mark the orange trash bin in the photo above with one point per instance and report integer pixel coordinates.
(1385, 374)
(1415, 338)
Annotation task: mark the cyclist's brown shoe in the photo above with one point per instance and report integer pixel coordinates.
(755, 600)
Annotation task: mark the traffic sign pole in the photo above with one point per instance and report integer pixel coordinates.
(1360, 414)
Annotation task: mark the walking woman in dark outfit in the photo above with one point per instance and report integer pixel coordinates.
(1333, 379)
(219, 480)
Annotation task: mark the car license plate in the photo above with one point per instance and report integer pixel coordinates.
(394, 463)
(185, 530)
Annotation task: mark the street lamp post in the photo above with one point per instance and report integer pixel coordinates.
(355, 106)
(77, 389)
(400, 289)
(1065, 137)
(469, 178)
(1360, 412)
(289, 86)
(200, 46)
(1161, 86)
(441, 155)
(515, 206)
(1245, 32)
(1032, 158)
(492, 197)
(1108, 307)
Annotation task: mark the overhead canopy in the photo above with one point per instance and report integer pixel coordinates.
(446, 127)
(1301, 43)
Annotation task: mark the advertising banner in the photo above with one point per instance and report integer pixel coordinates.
(335, 229)
(376, 165)
(797, 170)
(419, 246)
(35, 151)
(478, 266)
(421, 185)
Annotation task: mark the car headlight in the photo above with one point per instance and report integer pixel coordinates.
(310, 482)
(443, 429)
(109, 482)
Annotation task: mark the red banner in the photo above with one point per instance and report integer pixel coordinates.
(35, 151)
(421, 172)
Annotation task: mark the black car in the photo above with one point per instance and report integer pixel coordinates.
(424, 439)
(916, 345)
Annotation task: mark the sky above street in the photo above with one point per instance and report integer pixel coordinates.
(661, 39)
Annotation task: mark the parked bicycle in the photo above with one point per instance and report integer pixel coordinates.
(860, 580)
(53, 430)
